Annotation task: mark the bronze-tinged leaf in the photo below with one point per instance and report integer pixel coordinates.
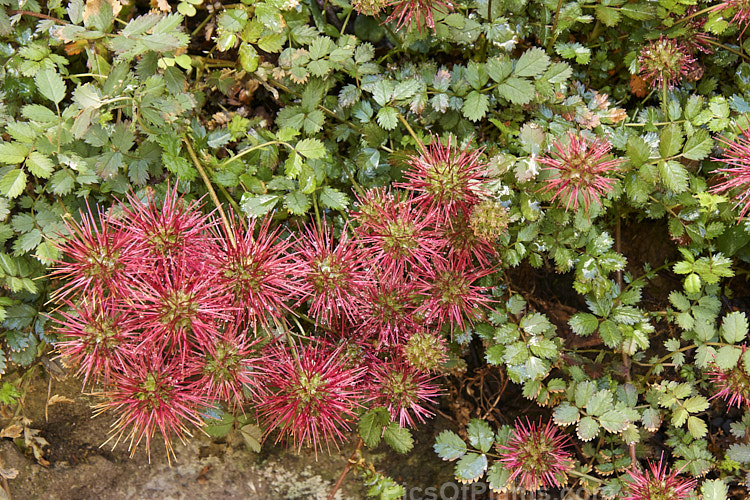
(638, 86)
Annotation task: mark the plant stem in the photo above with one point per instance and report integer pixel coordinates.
(317, 212)
(37, 15)
(201, 25)
(411, 132)
(625, 357)
(553, 36)
(231, 200)
(250, 150)
(211, 192)
(707, 10)
(681, 349)
(585, 476)
(352, 460)
(729, 49)
(355, 184)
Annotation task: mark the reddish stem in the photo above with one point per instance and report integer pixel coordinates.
(36, 14)
(352, 460)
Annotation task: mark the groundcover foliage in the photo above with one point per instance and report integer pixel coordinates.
(297, 218)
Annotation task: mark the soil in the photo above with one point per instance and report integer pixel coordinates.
(80, 468)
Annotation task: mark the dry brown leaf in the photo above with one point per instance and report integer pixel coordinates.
(59, 399)
(8, 473)
(12, 431)
(162, 5)
(36, 443)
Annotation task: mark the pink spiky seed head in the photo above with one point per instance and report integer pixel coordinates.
(170, 230)
(404, 391)
(736, 176)
(333, 275)
(657, 483)
(369, 204)
(411, 12)
(445, 178)
(452, 294)
(732, 384)
(226, 366)
(536, 456)
(94, 253)
(464, 243)
(401, 234)
(311, 395)
(177, 308)
(152, 394)
(258, 271)
(581, 170)
(665, 62)
(390, 310)
(95, 337)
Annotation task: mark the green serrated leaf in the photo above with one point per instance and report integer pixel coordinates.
(734, 327)
(651, 419)
(387, 117)
(599, 403)
(371, 426)
(638, 151)
(583, 324)
(698, 146)
(674, 175)
(739, 453)
(608, 15)
(697, 427)
(333, 198)
(714, 489)
(50, 84)
(480, 435)
(679, 300)
(614, 421)
(610, 333)
(311, 148)
(449, 446)
(471, 467)
(221, 427)
(517, 90)
(13, 183)
(253, 436)
(670, 140)
(587, 429)
(398, 438)
(566, 414)
(475, 106)
(39, 165)
(297, 202)
(533, 62)
(695, 404)
(575, 50)
(497, 477)
(257, 206)
(12, 153)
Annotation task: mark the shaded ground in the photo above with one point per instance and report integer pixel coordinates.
(79, 469)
